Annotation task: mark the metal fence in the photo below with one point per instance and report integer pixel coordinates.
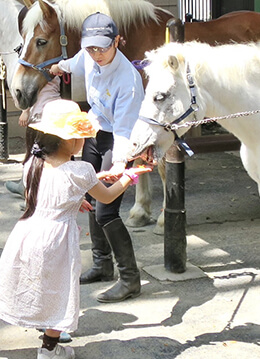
(199, 9)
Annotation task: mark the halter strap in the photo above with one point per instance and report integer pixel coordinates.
(172, 125)
(42, 66)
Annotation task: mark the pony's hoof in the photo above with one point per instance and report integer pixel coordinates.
(139, 221)
(159, 229)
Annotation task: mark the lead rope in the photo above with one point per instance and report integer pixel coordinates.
(213, 119)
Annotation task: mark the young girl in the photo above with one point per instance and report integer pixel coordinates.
(40, 264)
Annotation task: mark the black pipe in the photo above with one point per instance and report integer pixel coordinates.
(175, 242)
(3, 125)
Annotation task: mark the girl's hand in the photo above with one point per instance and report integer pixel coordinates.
(85, 206)
(110, 176)
(114, 173)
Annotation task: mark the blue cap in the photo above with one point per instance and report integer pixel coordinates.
(98, 30)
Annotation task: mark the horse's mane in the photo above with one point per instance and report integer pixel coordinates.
(9, 34)
(9, 12)
(230, 64)
(123, 12)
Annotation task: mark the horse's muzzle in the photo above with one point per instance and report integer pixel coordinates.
(148, 155)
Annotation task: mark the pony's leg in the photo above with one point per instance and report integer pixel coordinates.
(159, 228)
(250, 160)
(140, 213)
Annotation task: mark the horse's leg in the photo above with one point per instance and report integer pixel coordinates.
(140, 213)
(159, 228)
(250, 161)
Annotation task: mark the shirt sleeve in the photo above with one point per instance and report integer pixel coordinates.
(83, 176)
(126, 114)
(75, 65)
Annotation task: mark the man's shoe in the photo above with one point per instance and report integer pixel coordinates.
(120, 291)
(16, 187)
(104, 273)
(58, 352)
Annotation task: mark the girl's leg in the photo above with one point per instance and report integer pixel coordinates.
(50, 339)
(51, 349)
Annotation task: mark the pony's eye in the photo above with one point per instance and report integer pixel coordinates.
(41, 42)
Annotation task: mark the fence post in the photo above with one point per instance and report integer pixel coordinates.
(175, 215)
(3, 115)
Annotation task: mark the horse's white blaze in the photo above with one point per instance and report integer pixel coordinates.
(16, 80)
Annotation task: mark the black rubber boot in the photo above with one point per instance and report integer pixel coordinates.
(128, 284)
(103, 268)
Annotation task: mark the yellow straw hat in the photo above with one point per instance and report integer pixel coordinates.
(63, 118)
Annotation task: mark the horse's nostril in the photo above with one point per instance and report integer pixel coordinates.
(18, 94)
(160, 96)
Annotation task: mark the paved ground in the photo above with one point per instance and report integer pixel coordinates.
(216, 316)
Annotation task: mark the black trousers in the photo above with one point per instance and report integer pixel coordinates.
(98, 151)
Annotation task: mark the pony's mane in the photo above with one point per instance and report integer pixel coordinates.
(229, 64)
(74, 12)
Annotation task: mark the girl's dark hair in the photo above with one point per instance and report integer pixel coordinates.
(45, 145)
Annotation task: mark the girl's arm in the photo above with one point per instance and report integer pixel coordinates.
(108, 194)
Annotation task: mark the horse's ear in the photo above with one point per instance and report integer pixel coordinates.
(28, 3)
(47, 10)
(173, 62)
(21, 16)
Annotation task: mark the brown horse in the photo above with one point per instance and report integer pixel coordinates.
(141, 25)
(237, 26)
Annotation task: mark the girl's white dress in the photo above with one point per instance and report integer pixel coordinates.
(40, 264)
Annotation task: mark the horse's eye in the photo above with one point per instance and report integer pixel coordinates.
(160, 96)
(41, 42)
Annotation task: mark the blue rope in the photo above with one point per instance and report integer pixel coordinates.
(140, 64)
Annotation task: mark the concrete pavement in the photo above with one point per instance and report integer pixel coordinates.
(215, 316)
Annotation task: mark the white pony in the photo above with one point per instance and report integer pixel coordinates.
(220, 81)
(10, 37)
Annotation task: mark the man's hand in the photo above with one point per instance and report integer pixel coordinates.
(55, 70)
(24, 118)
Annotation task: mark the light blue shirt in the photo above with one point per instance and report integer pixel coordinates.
(114, 92)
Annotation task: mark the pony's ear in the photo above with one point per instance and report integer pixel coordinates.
(28, 3)
(47, 10)
(175, 61)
